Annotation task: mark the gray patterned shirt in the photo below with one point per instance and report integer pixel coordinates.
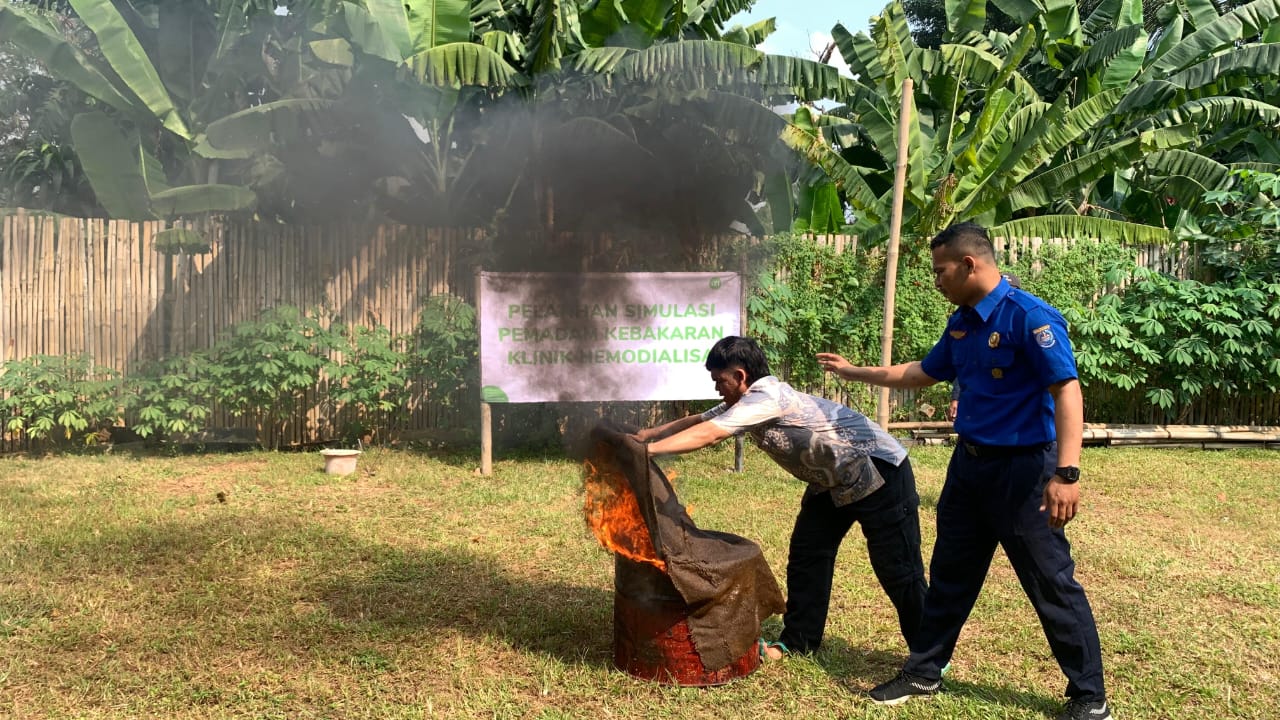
(819, 441)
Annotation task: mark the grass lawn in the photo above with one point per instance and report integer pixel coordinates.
(255, 586)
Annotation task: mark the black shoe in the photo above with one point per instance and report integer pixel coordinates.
(1086, 710)
(901, 688)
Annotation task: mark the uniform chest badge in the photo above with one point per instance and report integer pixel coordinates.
(1044, 337)
(994, 340)
(958, 334)
(997, 373)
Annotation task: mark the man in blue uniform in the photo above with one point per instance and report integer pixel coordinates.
(1012, 478)
(856, 472)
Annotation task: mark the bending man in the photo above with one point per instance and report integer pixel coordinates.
(856, 473)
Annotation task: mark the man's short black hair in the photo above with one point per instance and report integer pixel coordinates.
(735, 351)
(965, 238)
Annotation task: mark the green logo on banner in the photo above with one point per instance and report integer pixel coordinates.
(715, 283)
(493, 394)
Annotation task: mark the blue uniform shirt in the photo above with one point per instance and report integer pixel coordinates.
(1005, 352)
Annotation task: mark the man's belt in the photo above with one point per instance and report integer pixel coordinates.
(998, 451)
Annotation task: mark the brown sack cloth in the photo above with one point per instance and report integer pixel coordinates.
(723, 578)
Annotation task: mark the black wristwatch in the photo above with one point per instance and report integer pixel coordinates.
(1068, 475)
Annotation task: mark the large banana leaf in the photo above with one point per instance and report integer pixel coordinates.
(606, 21)
(984, 69)
(720, 11)
(964, 17)
(1255, 61)
(600, 59)
(816, 150)
(1213, 112)
(1170, 37)
(1203, 170)
(1045, 188)
(1056, 134)
(38, 40)
(1239, 24)
(808, 79)
(112, 161)
(256, 127)
(752, 35)
(709, 62)
(198, 199)
(459, 64)
(1116, 57)
(881, 124)
(1062, 21)
(121, 48)
(893, 42)
(985, 145)
(1148, 97)
(555, 25)
(1022, 11)
(335, 51)
(1024, 129)
(1101, 20)
(858, 52)
(432, 23)
(741, 119)
(777, 194)
(1186, 176)
(390, 19)
(1081, 226)
(152, 172)
(1202, 12)
(371, 34)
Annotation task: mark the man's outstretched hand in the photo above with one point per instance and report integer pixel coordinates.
(833, 363)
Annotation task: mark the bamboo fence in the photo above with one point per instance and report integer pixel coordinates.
(101, 288)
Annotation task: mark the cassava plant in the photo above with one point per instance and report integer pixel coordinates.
(370, 381)
(61, 399)
(171, 397)
(263, 369)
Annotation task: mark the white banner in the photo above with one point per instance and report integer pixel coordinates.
(549, 337)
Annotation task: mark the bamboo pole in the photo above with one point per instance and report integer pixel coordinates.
(486, 412)
(895, 235)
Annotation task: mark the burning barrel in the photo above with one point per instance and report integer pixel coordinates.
(687, 602)
(651, 635)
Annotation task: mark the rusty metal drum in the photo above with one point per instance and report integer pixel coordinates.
(651, 638)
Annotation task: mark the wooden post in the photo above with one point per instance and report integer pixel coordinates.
(486, 439)
(486, 412)
(891, 257)
(739, 453)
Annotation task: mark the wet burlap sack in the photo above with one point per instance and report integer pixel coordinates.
(723, 578)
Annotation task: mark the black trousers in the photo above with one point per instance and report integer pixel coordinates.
(890, 523)
(996, 499)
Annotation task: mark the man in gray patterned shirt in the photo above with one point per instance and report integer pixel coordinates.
(856, 473)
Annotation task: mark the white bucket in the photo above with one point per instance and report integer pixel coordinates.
(339, 462)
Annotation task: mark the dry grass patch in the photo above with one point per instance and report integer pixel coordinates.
(416, 589)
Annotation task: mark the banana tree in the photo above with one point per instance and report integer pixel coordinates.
(1060, 129)
(119, 73)
(983, 143)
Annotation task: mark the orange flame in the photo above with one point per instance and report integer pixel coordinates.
(613, 513)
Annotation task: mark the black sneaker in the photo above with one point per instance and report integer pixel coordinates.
(1086, 710)
(901, 688)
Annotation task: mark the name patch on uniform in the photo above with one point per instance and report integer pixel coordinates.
(1044, 337)
(959, 334)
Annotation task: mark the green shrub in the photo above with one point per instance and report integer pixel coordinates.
(371, 381)
(58, 399)
(170, 397)
(445, 350)
(263, 369)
